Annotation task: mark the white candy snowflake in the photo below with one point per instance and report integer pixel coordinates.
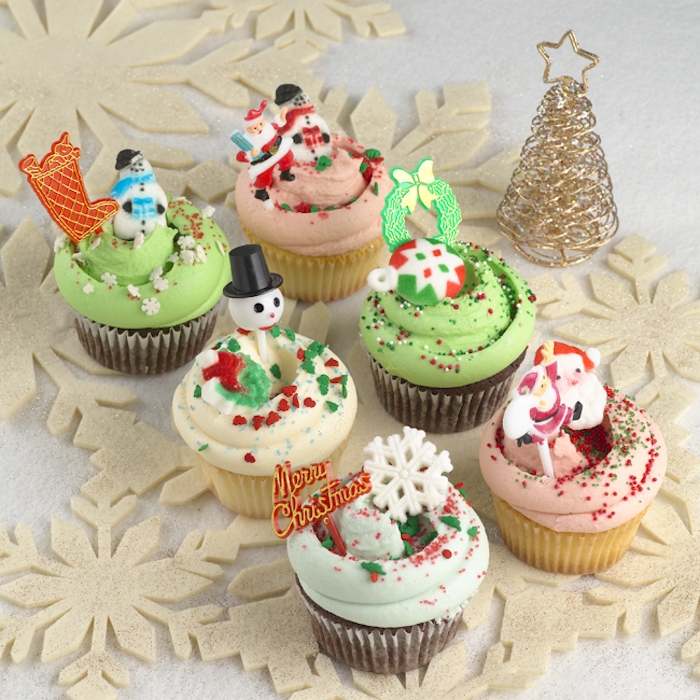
(187, 257)
(407, 474)
(174, 258)
(150, 306)
(78, 257)
(208, 212)
(134, 292)
(95, 242)
(59, 243)
(186, 242)
(160, 284)
(109, 279)
(201, 254)
(157, 272)
(88, 288)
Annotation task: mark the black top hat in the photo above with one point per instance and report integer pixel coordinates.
(249, 273)
(125, 157)
(286, 92)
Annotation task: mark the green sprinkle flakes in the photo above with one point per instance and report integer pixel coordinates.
(373, 153)
(375, 188)
(203, 447)
(373, 567)
(276, 372)
(429, 537)
(324, 382)
(407, 548)
(286, 207)
(452, 522)
(410, 527)
(313, 209)
(323, 163)
(290, 334)
(308, 366)
(328, 542)
(344, 386)
(275, 331)
(197, 391)
(473, 531)
(233, 345)
(363, 166)
(332, 407)
(314, 350)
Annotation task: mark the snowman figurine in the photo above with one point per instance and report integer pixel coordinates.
(255, 301)
(308, 131)
(142, 202)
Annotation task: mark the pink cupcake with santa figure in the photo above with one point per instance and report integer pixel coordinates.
(572, 465)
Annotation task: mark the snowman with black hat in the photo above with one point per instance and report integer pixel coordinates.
(308, 130)
(142, 202)
(255, 301)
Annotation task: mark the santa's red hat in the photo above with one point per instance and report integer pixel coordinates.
(590, 357)
(255, 114)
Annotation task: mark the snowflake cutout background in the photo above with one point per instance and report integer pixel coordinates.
(407, 473)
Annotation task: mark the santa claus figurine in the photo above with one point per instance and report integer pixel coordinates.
(308, 131)
(265, 148)
(560, 390)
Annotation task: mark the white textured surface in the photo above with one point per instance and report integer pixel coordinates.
(647, 105)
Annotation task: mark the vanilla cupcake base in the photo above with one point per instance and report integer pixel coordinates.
(377, 649)
(146, 351)
(563, 552)
(442, 410)
(250, 495)
(321, 277)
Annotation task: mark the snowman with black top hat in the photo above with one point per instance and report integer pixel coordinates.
(255, 301)
(308, 130)
(142, 201)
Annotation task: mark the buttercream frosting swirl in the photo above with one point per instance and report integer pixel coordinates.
(459, 341)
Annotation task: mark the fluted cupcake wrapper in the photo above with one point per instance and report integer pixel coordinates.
(251, 495)
(377, 649)
(434, 410)
(563, 552)
(322, 277)
(146, 351)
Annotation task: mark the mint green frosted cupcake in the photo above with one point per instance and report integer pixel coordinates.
(148, 308)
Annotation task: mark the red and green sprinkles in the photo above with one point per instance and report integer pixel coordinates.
(452, 521)
(374, 568)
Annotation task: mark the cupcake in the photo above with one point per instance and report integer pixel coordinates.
(572, 465)
(262, 395)
(446, 323)
(387, 575)
(142, 274)
(311, 199)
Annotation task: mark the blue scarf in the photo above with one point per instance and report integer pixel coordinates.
(126, 182)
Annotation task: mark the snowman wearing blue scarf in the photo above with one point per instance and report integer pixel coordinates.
(142, 202)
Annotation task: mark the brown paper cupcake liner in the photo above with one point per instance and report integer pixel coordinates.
(323, 277)
(145, 351)
(563, 552)
(442, 410)
(250, 495)
(377, 649)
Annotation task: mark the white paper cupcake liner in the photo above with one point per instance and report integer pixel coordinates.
(377, 649)
(149, 351)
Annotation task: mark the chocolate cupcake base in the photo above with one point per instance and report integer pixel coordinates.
(450, 410)
(378, 649)
(145, 351)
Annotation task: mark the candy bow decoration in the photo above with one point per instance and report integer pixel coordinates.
(58, 183)
(415, 185)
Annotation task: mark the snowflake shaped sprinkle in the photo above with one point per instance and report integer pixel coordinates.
(59, 243)
(200, 254)
(208, 212)
(187, 257)
(88, 288)
(186, 242)
(407, 474)
(78, 257)
(157, 272)
(150, 306)
(160, 284)
(174, 257)
(95, 242)
(133, 291)
(109, 279)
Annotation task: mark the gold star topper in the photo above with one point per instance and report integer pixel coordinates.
(541, 47)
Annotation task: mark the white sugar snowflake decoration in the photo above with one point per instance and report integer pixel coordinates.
(175, 257)
(109, 279)
(78, 257)
(88, 288)
(150, 306)
(201, 254)
(208, 211)
(160, 284)
(186, 242)
(133, 291)
(95, 242)
(187, 257)
(59, 243)
(157, 272)
(407, 474)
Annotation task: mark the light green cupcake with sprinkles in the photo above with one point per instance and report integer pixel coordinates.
(447, 323)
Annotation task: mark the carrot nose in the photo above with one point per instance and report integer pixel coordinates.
(574, 382)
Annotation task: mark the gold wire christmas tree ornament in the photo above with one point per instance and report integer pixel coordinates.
(559, 209)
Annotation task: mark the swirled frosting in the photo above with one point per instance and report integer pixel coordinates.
(309, 412)
(177, 274)
(325, 211)
(459, 341)
(434, 582)
(604, 475)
